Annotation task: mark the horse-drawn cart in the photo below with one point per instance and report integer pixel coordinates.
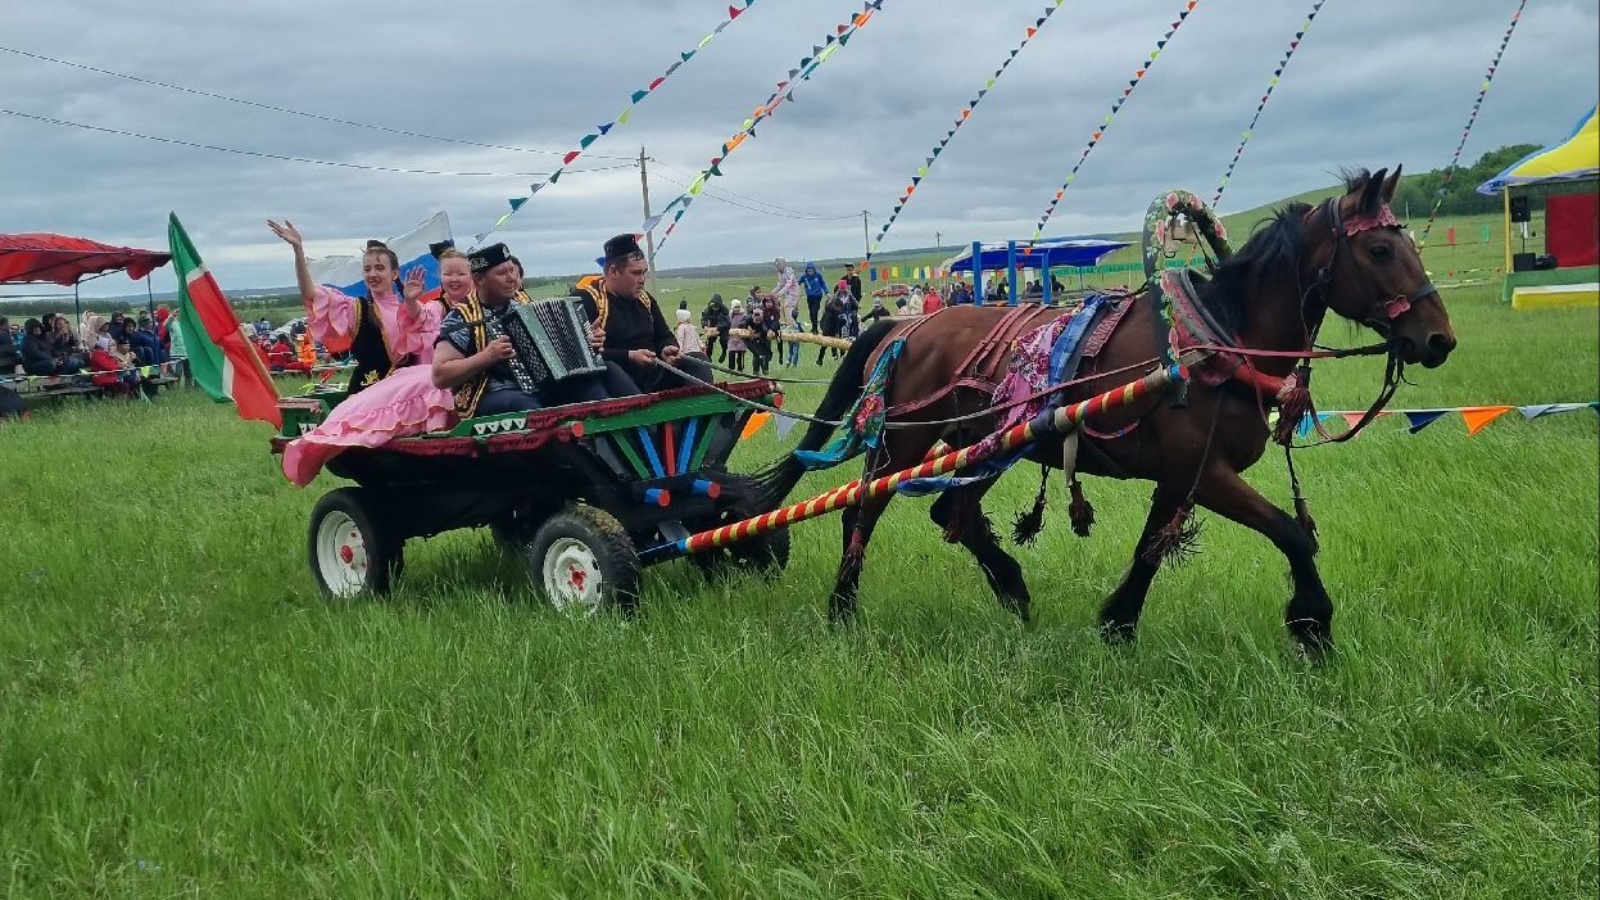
(576, 491)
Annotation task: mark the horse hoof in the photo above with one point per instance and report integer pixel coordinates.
(1019, 607)
(1119, 634)
(1313, 641)
(841, 612)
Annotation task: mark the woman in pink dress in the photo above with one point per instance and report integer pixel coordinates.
(391, 334)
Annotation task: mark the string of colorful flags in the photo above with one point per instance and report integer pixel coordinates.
(1476, 418)
(1105, 125)
(1277, 74)
(637, 97)
(961, 119)
(820, 53)
(1483, 91)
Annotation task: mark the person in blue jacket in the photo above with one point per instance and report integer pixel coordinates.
(816, 287)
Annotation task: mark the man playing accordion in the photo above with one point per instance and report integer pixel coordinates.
(476, 359)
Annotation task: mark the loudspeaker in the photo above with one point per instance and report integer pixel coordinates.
(1522, 262)
(1519, 210)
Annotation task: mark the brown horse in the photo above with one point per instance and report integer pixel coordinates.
(1347, 255)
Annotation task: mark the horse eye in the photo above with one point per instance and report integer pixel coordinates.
(1380, 251)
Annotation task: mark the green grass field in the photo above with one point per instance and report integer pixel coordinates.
(182, 715)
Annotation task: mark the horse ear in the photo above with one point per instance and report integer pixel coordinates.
(1370, 191)
(1390, 185)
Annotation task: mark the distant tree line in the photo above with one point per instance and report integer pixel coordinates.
(1418, 192)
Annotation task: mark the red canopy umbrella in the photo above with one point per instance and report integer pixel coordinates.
(65, 260)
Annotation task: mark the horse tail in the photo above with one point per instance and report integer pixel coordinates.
(777, 480)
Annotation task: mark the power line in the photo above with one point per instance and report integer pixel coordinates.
(713, 191)
(777, 213)
(282, 158)
(283, 109)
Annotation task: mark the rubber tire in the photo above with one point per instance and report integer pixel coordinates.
(385, 553)
(613, 551)
(767, 555)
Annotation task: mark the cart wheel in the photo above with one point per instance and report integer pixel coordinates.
(349, 552)
(767, 554)
(584, 560)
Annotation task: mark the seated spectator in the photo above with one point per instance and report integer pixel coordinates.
(39, 356)
(146, 345)
(109, 373)
(65, 343)
(10, 353)
(279, 355)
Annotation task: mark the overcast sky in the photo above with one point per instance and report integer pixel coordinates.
(1376, 82)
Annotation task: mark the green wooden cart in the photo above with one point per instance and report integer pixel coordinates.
(575, 491)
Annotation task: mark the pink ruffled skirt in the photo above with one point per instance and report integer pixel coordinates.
(404, 404)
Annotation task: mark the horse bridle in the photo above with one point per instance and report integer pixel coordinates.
(1342, 232)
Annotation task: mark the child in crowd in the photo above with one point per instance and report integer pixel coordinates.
(689, 336)
(738, 319)
(760, 342)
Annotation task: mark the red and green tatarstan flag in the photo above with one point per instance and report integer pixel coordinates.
(220, 358)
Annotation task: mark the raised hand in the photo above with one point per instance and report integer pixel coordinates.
(415, 284)
(288, 234)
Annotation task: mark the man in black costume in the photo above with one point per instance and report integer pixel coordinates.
(636, 332)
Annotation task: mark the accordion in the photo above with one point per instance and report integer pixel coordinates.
(551, 338)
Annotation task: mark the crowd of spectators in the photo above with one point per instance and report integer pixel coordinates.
(112, 352)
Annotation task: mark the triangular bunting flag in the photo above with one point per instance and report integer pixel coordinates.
(1479, 417)
(516, 203)
(1422, 418)
(1533, 412)
(640, 95)
(757, 422)
(784, 424)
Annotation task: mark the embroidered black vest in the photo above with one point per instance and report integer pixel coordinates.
(370, 348)
(469, 395)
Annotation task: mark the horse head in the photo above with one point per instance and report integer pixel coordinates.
(1367, 270)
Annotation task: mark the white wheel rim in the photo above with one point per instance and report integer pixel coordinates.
(572, 578)
(341, 555)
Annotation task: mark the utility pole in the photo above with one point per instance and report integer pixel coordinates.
(866, 233)
(938, 240)
(650, 236)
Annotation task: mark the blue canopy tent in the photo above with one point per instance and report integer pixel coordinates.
(1044, 255)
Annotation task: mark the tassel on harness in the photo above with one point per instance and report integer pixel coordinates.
(1294, 405)
(1030, 523)
(1081, 511)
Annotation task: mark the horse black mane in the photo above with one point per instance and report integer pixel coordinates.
(1275, 242)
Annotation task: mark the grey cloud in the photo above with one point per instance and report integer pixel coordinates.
(1375, 83)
